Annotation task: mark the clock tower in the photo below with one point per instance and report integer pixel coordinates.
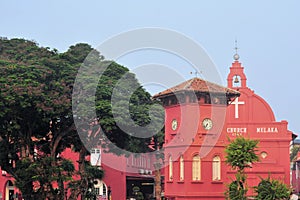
(195, 116)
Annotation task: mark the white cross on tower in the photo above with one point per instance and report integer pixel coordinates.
(236, 104)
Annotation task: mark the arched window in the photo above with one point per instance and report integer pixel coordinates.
(196, 170)
(100, 188)
(9, 190)
(170, 169)
(181, 170)
(216, 168)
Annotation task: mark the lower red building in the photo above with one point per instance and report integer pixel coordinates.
(130, 172)
(122, 174)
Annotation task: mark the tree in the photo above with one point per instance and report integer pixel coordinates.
(240, 154)
(293, 156)
(44, 172)
(36, 115)
(270, 189)
(127, 114)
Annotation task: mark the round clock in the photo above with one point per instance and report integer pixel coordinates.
(207, 124)
(174, 124)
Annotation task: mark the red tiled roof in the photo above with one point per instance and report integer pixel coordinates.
(197, 85)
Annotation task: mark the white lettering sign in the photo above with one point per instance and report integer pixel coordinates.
(236, 130)
(267, 130)
(240, 130)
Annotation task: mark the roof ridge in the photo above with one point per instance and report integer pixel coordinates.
(188, 84)
(197, 85)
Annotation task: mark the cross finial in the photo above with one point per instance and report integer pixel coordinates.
(236, 48)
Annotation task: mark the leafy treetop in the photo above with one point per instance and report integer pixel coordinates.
(241, 153)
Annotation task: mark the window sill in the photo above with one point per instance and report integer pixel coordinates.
(180, 182)
(208, 133)
(217, 182)
(197, 182)
(169, 181)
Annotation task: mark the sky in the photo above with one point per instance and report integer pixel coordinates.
(268, 35)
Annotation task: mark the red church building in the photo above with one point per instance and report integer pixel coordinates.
(200, 117)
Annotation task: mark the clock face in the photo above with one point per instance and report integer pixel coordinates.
(207, 124)
(174, 124)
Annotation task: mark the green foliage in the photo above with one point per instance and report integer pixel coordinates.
(33, 177)
(94, 172)
(294, 153)
(269, 189)
(140, 196)
(127, 115)
(23, 51)
(36, 111)
(87, 181)
(241, 153)
(237, 189)
(77, 53)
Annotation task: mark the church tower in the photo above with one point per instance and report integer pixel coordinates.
(250, 116)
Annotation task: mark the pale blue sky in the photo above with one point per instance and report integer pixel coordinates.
(268, 34)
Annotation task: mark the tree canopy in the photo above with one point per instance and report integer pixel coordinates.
(36, 112)
(241, 153)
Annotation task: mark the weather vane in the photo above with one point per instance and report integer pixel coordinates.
(196, 73)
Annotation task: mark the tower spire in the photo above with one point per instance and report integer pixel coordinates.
(236, 78)
(236, 56)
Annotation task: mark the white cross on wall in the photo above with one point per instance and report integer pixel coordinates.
(236, 104)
